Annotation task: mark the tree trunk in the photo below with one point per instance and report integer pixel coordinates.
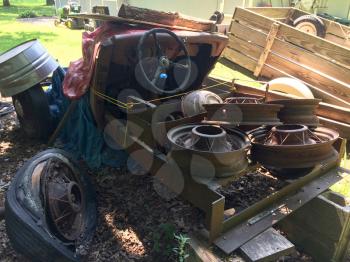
(50, 2)
(6, 2)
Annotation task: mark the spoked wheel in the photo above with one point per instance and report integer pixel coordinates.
(51, 208)
(64, 200)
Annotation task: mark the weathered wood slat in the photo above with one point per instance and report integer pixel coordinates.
(342, 128)
(294, 36)
(274, 72)
(272, 12)
(307, 74)
(255, 38)
(245, 47)
(240, 59)
(166, 18)
(268, 246)
(269, 42)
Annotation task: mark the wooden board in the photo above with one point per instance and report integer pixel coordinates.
(244, 232)
(268, 246)
(289, 34)
(274, 12)
(166, 18)
(253, 37)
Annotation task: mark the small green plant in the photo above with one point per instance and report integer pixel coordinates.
(28, 14)
(181, 249)
(163, 240)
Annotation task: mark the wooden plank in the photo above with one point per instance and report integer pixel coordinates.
(313, 61)
(244, 232)
(338, 40)
(272, 12)
(166, 18)
(200, 250)
(307, 74)
(245, 47)
(294, 36)
(121, 20)
(273, 72)
(317, 63)
(268, 246)
(269, 42)
(342, 128)
(240, 59)
(333, 112)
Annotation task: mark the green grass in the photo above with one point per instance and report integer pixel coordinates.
(62, 43)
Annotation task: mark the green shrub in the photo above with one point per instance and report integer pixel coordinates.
(28, 14)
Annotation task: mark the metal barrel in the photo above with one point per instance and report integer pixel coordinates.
(24, 66)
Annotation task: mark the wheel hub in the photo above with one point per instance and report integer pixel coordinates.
(63, 200)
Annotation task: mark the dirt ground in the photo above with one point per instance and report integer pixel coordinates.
(134, 222)
(132, 217)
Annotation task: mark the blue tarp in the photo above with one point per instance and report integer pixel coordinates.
(80, 136)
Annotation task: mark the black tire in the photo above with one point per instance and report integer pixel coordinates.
(33, 112)
(312, 21)
(27, 229)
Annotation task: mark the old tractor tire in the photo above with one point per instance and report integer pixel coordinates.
(33, 112)
(27, 218)
(310, 24)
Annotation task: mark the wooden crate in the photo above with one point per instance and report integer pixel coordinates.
(262, 41)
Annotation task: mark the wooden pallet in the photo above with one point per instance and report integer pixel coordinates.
(262, 41)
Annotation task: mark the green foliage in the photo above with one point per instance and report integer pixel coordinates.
(181, 249)
(28, 14)
(163, 240)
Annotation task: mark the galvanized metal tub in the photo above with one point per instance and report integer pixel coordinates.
(24, 66)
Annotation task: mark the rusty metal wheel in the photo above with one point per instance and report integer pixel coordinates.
(63, 199)
(209, 148)
(243, 111)
(292, 146)
(51, 208)
(298, 111)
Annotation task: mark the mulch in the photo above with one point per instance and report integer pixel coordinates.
(134, 220)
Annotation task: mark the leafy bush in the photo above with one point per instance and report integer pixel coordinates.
(28, 14)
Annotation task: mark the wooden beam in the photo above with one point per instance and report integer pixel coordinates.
(269, 42)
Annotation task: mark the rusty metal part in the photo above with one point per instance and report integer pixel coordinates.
(292, 146)
(206, 148)
(243, 114)
(192, 103)
(2, 213)
(63, 198)
(24, 66)
(298, 111)
(243, 100)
